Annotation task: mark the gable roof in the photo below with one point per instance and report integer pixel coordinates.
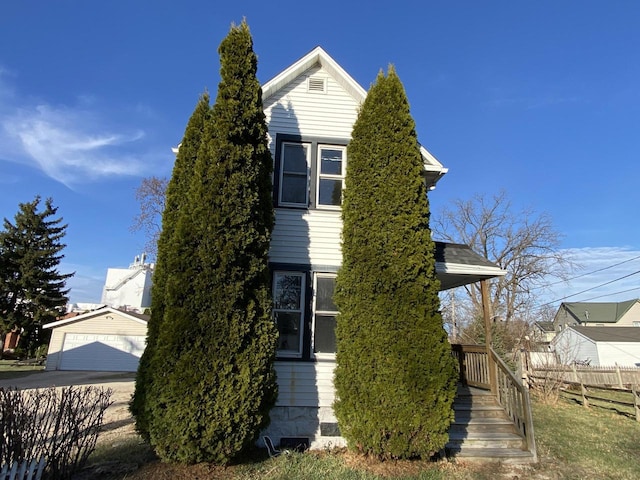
(322, 58)
(457, 265)
(609, 334)
(137, 317)
(598, 312)
(547, 327)
(434, 170)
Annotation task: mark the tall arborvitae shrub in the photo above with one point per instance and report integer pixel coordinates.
(166, 266)
(213, 381)
(395, 377)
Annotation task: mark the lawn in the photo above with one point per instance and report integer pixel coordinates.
(10, 369)
(573, 443)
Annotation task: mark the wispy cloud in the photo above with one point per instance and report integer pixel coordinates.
(70, 143)
(87, 283)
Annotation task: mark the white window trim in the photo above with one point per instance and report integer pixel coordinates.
(320, 175)
(282, 172)
(302, 275)
(314, 311)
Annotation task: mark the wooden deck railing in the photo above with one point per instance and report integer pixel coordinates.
(486, 370)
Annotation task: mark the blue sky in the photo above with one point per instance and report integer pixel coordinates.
(541, 99)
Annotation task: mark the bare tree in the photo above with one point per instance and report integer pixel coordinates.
(150, 194)
(523, 243)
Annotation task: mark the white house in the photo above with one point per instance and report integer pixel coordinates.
(310, 108)
(598, 346)
(129, 288)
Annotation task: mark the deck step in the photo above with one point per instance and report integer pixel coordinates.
(482, 431)
(486, 424)
(489, 455)
(485, 440)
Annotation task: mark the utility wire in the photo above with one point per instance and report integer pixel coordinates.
(610, 294)
(589, 289)
(585, 274)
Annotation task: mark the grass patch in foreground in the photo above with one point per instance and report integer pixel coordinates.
(580, 443)
(573, 443)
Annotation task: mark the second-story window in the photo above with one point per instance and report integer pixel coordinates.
(309, 174)
(330, 176)
(294, 175)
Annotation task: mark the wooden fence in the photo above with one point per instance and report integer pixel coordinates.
(625, 397)
(616, 376)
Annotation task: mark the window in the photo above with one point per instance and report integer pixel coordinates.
(325, 312)
(294, 186)
(310, 174)
(288, 311)
(330, 176)
(304, 312)
(636, 324)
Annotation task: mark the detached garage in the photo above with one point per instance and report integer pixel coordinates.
(599, 346)
(103, 340)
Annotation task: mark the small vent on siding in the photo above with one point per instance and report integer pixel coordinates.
(317, 85)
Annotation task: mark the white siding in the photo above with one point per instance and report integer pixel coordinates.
(625, 354)
(308, 237)
(305, 384)
(570, 346)
(632, 315)
(295, 111)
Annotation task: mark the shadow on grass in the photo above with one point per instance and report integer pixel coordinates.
(116, 460)
(19, 372)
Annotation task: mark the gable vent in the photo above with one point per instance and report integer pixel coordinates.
(317, 85)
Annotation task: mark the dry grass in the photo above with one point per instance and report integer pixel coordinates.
(573, 443)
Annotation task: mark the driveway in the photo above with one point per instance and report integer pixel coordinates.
(118, 422)
(58, 378)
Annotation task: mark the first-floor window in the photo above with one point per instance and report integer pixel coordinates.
(288, 311)
(325, 313)
(304, 313)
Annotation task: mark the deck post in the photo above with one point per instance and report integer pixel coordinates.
(486, 311)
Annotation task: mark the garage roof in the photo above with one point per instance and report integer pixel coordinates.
(138, 317)
(609, 334)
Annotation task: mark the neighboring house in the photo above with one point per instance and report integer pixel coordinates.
(598, 346)
(129, 288)
(599, 314)
(106, 339)
(310, 108)
(543, 333)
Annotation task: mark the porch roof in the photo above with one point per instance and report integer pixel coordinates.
(458, 265)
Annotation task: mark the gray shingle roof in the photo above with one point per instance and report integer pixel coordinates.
(610, 334)
(460, 254)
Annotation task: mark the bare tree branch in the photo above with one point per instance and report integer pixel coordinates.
(524, 243)
(150, 195)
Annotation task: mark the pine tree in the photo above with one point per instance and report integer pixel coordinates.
(213, 381)
(395, 376)
(32, 290)
(176, 194)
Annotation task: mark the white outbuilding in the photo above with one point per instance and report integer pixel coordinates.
(599, 346)
(106, 339)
